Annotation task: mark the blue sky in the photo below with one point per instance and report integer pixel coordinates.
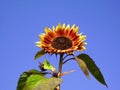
(21, 21)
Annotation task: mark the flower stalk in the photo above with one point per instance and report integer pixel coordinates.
(60, 64)
(60, 69)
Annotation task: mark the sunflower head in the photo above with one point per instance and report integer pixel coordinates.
(62, 39)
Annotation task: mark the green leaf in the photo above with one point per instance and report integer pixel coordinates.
(48, 66)
(35, 80)
(83, 66)
(47, 84)
(32, 81)
(24, 76)
(22, 81)
(92, 67)
(39, 54)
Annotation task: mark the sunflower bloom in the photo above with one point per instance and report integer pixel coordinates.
(62, 39)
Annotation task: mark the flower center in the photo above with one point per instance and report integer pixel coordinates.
(62, 43)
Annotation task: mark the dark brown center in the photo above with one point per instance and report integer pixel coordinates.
(62, 43)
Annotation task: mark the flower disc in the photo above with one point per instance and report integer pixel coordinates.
(61, 43)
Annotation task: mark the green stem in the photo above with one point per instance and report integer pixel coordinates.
(60, 69)
(60, 64)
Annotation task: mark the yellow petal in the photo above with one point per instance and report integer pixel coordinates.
(47, 30)
(59, 26)
(83, 37)
(41, 36)
(73, 26)
(83, 48)
(85, 43)
(53, 27)
(80, 34)
(38, 44)
(68, 26)
(76, 29)
(64, 26)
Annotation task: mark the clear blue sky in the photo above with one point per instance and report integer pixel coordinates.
(21, 21)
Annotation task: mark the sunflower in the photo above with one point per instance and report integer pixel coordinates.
(62, 39)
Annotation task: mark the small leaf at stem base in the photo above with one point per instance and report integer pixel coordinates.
(48, 66)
